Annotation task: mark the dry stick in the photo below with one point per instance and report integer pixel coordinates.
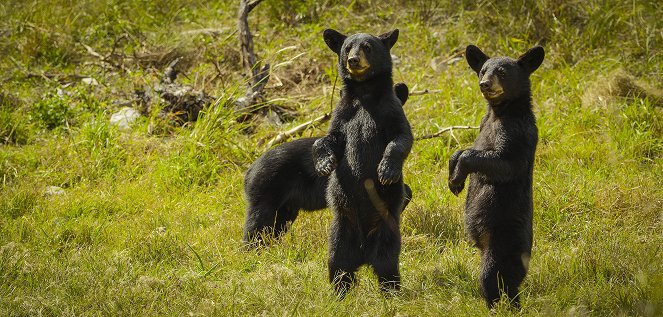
(447, 129)
(381, 206)
(56, 77)
(102, 58)
(258, 75)
(425, 91)
(205, 31)
(296, 130)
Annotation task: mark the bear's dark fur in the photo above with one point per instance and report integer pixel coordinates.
(277, 185)
(368, 140)
(498, 209)
(283, 181)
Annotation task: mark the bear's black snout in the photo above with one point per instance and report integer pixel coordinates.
(353, 61)
(485, 85)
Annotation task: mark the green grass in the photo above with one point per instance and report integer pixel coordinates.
(150, 221)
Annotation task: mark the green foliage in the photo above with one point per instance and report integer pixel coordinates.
(148, 221)
(53, 111)
(638, 131)
(15, 127)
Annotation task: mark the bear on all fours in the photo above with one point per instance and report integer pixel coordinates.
(498, 207)
(283, 181)
(368, 140)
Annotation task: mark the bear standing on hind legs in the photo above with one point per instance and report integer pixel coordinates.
(498, 208)
(368, 140)
(283, 181)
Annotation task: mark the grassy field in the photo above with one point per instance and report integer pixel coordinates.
(149, 220)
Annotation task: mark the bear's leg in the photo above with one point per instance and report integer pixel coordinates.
(284, 217)
(344, 254)
(407, 196)
(386, 268)
(260, 221)
(514, 274)
(385, 261)
(502, 274)
(256, 220)
(489, 279)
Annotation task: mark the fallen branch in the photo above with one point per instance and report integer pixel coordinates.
(57, 77)
(206, 31)
(425, 91)
(281, 137)
(104, 59)
(447, 129)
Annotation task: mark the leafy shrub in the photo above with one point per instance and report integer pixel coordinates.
(53, 111)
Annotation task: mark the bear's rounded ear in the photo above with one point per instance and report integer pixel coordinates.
(334, 40)
(402, 92)
(389, 38)
(532, 59)
(475, 57)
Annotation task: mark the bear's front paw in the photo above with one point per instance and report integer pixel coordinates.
(388, 173)
(325, 165)
(456, 186)
(453, 160)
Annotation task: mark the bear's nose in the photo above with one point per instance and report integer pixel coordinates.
(353, 61)
(484, 84)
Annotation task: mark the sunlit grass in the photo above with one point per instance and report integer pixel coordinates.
(149, 221)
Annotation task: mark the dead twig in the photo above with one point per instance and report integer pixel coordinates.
(425, 91)
(104, 59)
(281, 137)
(205, 31)
(447, 129)
(57, 77)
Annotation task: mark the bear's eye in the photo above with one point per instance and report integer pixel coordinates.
(501, 71)
(367, 48)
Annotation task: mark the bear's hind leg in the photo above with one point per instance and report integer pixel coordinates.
(345, 256)
(388, 274)
(502, 274)
(284, 218)
(385, 262)
(254, 224)
(260, 223)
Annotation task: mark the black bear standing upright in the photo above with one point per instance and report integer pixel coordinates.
(282, 182)
(368, 140)
(498, 209)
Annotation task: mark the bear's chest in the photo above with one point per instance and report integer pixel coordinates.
(491, 133)
(366, 140)
(363, 127)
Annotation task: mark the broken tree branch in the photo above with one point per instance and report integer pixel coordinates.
(104, 59)
(253, 4)
(281, 137)
(447, 129)
(57, 77)
(425, 91)
(258, 75)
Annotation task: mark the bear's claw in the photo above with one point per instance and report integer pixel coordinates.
(455, 187)
(325, 166)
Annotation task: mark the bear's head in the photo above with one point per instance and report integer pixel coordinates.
(502, 78)
(361, 56)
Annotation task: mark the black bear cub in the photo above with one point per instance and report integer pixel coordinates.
(498, 209)
(368, 140)
(282, 182)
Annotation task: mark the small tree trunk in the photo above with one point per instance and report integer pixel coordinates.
(257, 75)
